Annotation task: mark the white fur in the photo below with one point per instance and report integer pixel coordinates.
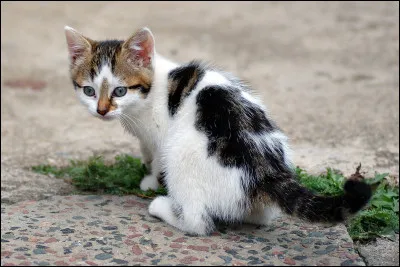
(198, 185)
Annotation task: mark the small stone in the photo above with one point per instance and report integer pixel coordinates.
(327, 250)
(231, 251)
(144, 241)
(39, 251)
(88, 244)
(94, 223)
(21, 249)
(118, 261)
(299, 258)
(214, 246)
(188, 259)
(103, 256)
(227, 259)
(78, 218)
(266, 248)
(254, 252)
(289, 261)
(168, 233)
(136, 250)
(53, 229)
(316, 234)
(154, 262)
(67, 231)
(67, 251)
(307, 241)
(175, 245)
(298, 233)
(298, 248)
(254, 262)
(348, 263)
(51, 240)
(180, 240)
(110, 228)
(8, 235)
(101, 242)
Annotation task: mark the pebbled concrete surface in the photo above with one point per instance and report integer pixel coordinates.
(112, 230)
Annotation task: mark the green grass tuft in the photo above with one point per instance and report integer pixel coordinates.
(329, 184)
(120, 178)
(379, 218)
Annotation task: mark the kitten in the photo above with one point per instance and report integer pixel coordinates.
(203, 133)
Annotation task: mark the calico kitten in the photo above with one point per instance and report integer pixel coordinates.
(203, 133)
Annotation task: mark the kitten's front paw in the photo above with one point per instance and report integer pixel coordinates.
(149, 182)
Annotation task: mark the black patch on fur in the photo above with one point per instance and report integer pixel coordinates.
(161, 179)
(182, 81)
(104, 52)
(227, 119)
(145, 90)
(76, 85)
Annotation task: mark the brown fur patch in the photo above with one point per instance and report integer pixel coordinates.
(112, 53)
(182, 81)
(173, 84)
(104, 103)
(133, 75)
(82, 72)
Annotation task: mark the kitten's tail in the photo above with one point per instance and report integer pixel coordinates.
(296, 200)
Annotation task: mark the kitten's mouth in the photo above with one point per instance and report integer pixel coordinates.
(105, 117)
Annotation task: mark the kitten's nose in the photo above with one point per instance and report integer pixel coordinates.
(102, 111)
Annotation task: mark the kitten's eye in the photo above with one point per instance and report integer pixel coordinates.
(119, 91)
(89, 91)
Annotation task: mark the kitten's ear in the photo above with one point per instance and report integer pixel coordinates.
(78, 45)
(140, 48)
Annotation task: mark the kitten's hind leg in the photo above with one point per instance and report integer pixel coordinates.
(186, 219)
(262, 215)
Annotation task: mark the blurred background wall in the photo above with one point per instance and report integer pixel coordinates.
(327, 71)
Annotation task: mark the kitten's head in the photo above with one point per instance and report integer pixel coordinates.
(111, 76)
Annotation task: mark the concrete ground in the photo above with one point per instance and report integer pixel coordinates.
(328, 72)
